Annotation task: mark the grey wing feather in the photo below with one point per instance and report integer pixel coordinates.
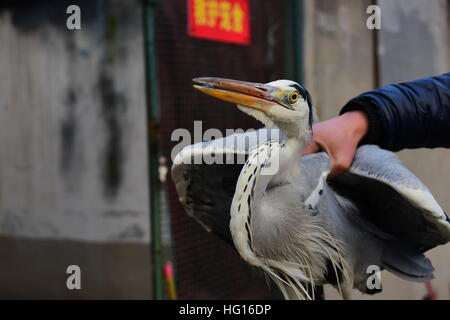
(205, 187)
(406, 262)
(393, 205)
(394, 198)
(394, 201)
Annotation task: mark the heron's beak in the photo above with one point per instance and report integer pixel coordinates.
(252, 95)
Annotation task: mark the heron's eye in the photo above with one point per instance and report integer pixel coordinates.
(293, 97)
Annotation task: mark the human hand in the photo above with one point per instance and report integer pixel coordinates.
(339, 138)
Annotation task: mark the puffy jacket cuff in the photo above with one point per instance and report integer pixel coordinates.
(375, 133)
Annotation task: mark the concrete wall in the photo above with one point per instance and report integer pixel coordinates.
(73, 165)
(339, 53)
(341, 61)
(413, 44)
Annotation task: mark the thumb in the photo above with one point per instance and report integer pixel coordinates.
(311, 148)
(341, 162)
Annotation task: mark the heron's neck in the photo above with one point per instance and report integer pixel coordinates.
(251, 188)
(289, 158)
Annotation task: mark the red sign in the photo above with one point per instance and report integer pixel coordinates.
(221, 20)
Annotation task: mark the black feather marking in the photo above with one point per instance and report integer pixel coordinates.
(252, 190)
(331, 276)
(305, 94)
(247, 225)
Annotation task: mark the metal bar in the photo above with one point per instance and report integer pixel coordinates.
(376, 57)
(293, 10)
(153, 116)
(297, 22)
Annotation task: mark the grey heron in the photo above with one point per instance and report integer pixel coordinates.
(293, 223)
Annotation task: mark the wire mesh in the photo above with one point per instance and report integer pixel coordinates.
(206, 267)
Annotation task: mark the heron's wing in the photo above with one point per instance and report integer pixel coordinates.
(205, 176)
(392, 204)
(396, 202)
(394, 199)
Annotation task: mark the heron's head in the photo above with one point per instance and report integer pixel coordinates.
(284, 103)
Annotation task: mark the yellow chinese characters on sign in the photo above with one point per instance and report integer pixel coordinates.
(221, 20)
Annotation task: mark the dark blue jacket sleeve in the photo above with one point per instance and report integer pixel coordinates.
(407, 115)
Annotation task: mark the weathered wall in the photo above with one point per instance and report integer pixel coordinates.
(73, 166)
(413, 44)
(339, 53)
(340, 63)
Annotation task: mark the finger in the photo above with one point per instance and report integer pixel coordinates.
(340, 164)
(336, 170)
(311, 148)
